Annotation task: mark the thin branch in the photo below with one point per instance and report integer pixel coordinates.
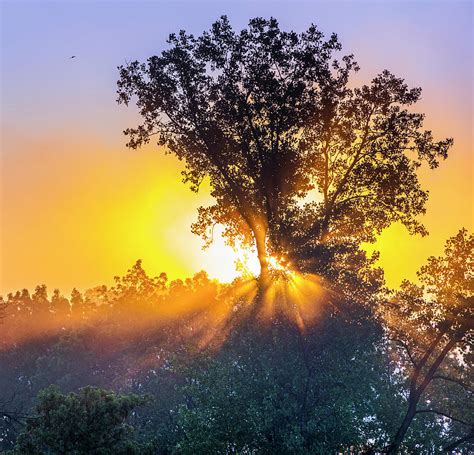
(443, 414)
(457, 442)
(429, 351)
(407, 350)
(455, 381)
(14, 416)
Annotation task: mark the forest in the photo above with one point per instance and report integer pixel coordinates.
(316, 355)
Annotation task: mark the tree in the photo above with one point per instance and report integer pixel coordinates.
(297, 160)
(433, 325)
(272, 391)
(90, 422)
(3, 307)
(68, 364)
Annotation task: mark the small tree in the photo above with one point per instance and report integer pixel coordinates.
(90, 422)
(297, 160)
(433, 326)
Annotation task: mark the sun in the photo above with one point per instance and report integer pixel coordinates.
(226, 263)
(280, 265)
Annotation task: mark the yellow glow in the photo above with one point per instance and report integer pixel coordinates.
(203, 313)
(77, 211)
(297, 296)
(279, 264)
(226, 263)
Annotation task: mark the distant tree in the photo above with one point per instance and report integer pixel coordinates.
(297, 160)
(77, 303)
(60, 305)
(136, 286)
(3, 307)
(39, 300)
(93, 421)
(433, 326)
(19, 303)
(68, 363)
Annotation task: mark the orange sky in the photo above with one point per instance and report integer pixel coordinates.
(79, 208)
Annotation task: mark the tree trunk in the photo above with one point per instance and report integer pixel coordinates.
(416, 392)
(263, 259)
(402, 430)
(261, 243)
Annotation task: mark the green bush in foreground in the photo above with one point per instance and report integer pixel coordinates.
(92, 421)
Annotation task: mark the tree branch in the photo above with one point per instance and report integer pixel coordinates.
(457, 442)
(407, 350)
(455, 381)
(443, 414)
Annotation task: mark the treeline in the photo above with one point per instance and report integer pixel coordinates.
(189, 367)
(314, 357)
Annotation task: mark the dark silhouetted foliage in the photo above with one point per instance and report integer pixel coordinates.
(297, 160)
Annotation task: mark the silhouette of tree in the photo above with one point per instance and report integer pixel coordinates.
(136, 285)
(3, 308)
(297, 160)
(433, 326)
(60, 305)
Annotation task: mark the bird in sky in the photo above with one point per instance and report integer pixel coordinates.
(73, 56)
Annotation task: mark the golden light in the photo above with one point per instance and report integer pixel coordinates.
(280, 264)
(227, 263)
(299, 297)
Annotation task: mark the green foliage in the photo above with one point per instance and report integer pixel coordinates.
(93, 421)
(265, 387)
(61, 366)
(303, 166)
(274, 390)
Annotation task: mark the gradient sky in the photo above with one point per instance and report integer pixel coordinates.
(78, 207)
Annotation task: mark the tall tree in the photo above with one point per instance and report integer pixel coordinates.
(433, 326)
(297, 160)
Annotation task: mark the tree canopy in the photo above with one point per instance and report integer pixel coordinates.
(298, 160)
(92, 421)
(433, 325)
(221, 381)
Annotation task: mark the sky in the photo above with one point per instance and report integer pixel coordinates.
(78, 207)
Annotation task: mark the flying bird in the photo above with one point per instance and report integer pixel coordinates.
(73, 56)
